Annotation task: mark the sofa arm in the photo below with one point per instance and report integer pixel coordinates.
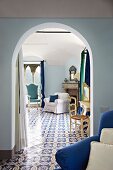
(75, 156)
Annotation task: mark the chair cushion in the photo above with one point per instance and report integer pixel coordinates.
(107, 136)
(101, 157)
(53, 98)
(34, 100)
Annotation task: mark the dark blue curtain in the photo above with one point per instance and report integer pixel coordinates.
(42, 83)
(87, 69)
(87, 73)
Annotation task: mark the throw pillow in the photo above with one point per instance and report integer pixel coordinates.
(53, 98)
(101, 157)
(107, 136)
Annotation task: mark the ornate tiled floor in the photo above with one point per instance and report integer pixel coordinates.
(47, 132)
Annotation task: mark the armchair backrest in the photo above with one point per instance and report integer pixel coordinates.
(63, 96)
(32, 91)
(106, 121)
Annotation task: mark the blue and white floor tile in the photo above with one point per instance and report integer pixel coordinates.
(47, 132)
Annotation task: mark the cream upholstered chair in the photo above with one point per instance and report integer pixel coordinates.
(60, 105)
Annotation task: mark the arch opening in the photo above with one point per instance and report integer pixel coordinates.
(52, 25)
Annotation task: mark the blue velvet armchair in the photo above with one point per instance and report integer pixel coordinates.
(75, 157)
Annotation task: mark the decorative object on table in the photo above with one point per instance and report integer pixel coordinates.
(72, 72)
(77, 76)
(76, 80)
(65, 80)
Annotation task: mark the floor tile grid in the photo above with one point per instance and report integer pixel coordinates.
(50, 139)
(46, 132)
(52, 133)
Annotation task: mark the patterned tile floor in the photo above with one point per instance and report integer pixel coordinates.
(47, 132)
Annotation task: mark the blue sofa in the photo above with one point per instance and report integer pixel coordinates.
(75, 157)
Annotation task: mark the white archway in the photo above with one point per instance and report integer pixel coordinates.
(18, 47)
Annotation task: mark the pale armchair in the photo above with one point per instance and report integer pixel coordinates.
(60, 105)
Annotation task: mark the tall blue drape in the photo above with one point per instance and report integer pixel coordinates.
(42, 83)
(87, 69)
(87, 72)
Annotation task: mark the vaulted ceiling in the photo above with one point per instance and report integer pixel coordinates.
(54, 47)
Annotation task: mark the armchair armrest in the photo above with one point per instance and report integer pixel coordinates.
(46, 100)
(75, 156)
(28, 96)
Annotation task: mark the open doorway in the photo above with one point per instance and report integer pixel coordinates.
(33, 84)
(47, 123)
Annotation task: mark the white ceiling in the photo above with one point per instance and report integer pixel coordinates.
(56, 8)
(55, 48)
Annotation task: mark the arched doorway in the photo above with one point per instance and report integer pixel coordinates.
(51, 25)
